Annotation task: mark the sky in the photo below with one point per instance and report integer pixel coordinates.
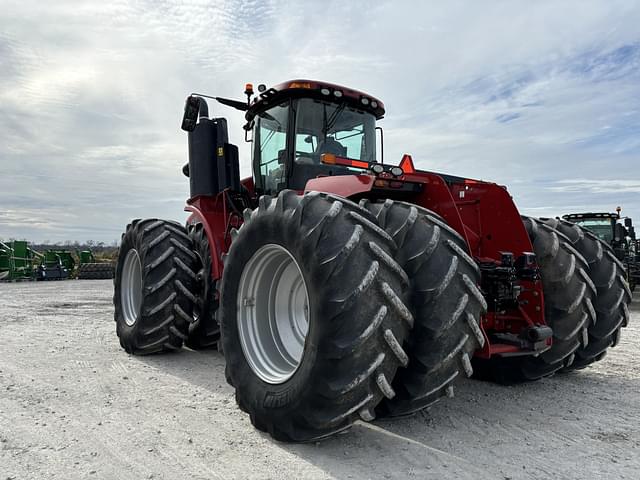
(543, 97)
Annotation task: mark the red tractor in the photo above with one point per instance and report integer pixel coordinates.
(340, 287)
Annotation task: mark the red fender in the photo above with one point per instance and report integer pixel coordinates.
(343, 185)
(212, 213)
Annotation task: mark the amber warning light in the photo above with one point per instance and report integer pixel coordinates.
(331, 159)
(300, 85)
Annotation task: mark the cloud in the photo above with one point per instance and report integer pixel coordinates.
(597, 186)
(543, 97)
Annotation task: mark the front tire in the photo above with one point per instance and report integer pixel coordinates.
(154, 281)
(334, 262)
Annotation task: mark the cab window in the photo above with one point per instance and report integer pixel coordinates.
(324, 127)
(270, 148)
(601, 227)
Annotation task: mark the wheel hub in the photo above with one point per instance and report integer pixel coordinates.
(131, 291)
(273, 313)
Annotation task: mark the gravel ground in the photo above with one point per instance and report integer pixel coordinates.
(74, 405)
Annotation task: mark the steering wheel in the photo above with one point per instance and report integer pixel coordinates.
(305, 158)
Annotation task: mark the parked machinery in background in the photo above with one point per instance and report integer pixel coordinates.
(18, 261)
(90, 269)
(55, 265)
(619, 233)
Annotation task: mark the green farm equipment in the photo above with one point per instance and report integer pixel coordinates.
(86, 256)
(5, 261)
(20, 262)
(90, 269)
(56, 265)
(619, 233)
(17, 261)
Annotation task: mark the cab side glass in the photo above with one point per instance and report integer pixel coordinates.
(270, 148)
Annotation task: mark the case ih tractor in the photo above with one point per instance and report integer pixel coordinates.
(340, 287)
(609, 228)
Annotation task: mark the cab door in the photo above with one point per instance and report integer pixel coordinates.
(271, 149)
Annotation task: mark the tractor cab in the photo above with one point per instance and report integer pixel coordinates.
(619, 233)
(600, 224)
(608, 227)
(301, 128)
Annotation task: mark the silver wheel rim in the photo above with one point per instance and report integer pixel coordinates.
(131, 291)
(273, 313)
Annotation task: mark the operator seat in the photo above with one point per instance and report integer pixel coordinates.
(331, 145)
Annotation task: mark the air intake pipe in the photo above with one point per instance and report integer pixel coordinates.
(213, 162)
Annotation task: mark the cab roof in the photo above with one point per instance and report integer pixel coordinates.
(331, 92)
(577, 216)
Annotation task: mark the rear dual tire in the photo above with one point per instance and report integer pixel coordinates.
(204, 332)
(612, 298)
(569, 294)
(154, 281)
(445, 301)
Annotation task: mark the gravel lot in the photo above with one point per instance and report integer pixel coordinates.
(74, 405)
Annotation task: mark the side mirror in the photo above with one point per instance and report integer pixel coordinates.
(192, 107)
(282, 156)
(628, 222)
(620, 232)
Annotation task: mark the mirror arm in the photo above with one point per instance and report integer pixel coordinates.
(242, 106)
(248, 127)
(381, 145)
(237, 104)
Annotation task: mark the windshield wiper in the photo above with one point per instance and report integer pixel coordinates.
(333, 118)
(266, 141)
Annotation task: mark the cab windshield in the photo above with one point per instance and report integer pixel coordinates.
(281, 160)
(601, 227)
(323, 127)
